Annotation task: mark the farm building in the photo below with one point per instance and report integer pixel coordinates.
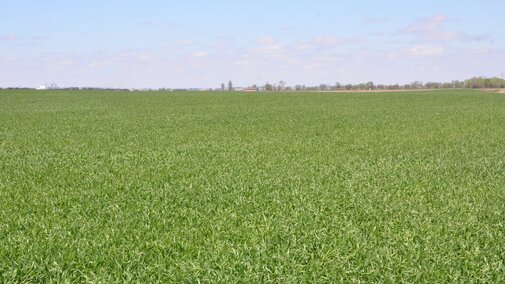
(250, 89)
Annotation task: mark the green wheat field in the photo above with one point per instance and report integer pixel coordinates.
(205, 187)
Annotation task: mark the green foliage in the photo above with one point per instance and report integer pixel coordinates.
(269, 87)
(220, 187)
(482, 82)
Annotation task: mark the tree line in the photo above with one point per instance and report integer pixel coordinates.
(472, 83)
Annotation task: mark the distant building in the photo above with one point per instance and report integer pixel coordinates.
(250, 89)
(51, 86)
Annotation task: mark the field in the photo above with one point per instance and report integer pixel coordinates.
(233, 187)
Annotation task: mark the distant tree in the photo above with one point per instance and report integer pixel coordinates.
(282, 85)
(230, 86)
(416, 85)
(370, 85)
(436, 85)
(482, 82)
(222, 86)
(457, 84)
(361, 86)
(496, 82)
(475, 82)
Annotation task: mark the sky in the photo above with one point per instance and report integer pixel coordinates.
(201, 44)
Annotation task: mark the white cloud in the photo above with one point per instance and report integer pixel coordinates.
(94, 65)
(268, 46)
(8, 59)
(9, 37)
(376, 20)
(331, 40)
(145, 57)
(146, 23)
(428, 25)
(266, 40)
(425, 50)
(185, 42)
(39, 38)
(200, 54)
(443, 36)
(325, 44)
(433, 29)
(322, 59)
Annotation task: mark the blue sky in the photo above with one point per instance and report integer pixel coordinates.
(136, 44)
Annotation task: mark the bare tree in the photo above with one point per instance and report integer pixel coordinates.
(282, 84)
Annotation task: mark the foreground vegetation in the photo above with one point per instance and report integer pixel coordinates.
(222, 187)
